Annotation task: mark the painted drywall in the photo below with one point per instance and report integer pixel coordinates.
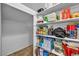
(17, 29)
(35, 6)
(0, 29)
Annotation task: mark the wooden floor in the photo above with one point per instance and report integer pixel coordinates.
(28, 51)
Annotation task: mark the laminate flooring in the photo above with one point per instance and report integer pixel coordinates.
(28, 51)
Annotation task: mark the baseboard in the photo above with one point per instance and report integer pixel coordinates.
(17, 50)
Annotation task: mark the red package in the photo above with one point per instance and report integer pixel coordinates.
(68, 12)
(65, 13)
(64, 45)
(70, 51)
(71, 27)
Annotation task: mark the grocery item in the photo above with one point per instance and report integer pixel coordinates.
(38, 40)
(45, 30)
(37, 51)
(42, 30)
(50, 30)
(70, 49)
(71, 29)
(37, 32)
(75, 15)
(57, 17)
(41, 43)
(59, 32)
(58, 46)
(50, 17)
(45, 19)
(40, 10)
(41, 52)
(77, 31)
(48, 43)
(40, 19)
(45, 53)
(65, 14)
(64, 46)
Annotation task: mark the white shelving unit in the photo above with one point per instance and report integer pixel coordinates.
(55, 8)
(67, 39)
(60, 21)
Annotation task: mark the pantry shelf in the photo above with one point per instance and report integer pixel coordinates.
(57, 7)
(60, 21)
(52, 51)
(67, 39)
(60, 18)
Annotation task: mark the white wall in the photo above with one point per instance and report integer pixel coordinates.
(0, 29)
(17, 28)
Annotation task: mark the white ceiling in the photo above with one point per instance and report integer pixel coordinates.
(35, 6)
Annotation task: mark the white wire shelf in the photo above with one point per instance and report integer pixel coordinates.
(67, 39)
